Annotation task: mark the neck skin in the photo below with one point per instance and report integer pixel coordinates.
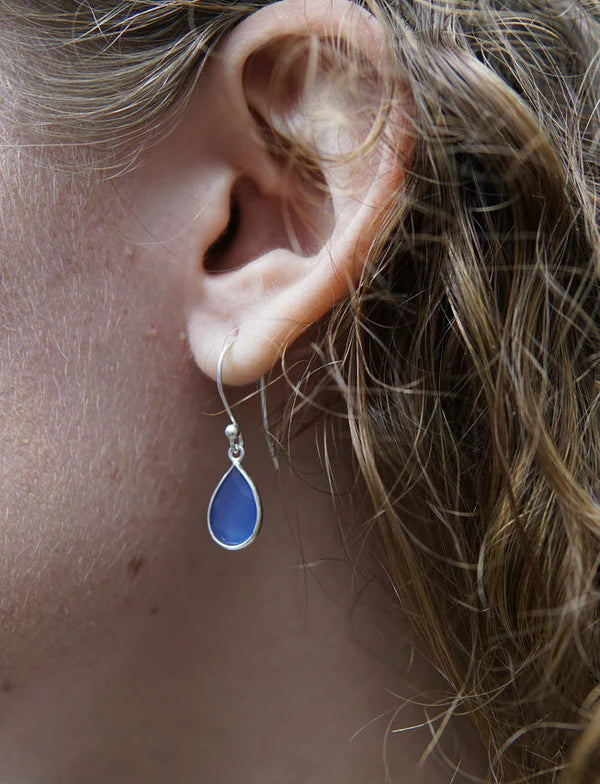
(281, 661)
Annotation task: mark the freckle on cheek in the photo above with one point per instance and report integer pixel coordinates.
(134, 566)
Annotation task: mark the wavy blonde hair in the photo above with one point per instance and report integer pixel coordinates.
(468, 358)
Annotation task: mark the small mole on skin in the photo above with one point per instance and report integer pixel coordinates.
(134, 566)
(6, 685)
(129, 254)
(154, 611)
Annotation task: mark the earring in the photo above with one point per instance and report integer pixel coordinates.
(235, 510)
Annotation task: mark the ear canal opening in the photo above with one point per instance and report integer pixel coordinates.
(218, 250)
(259, 223)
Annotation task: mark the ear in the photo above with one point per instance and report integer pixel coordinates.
(284, 249)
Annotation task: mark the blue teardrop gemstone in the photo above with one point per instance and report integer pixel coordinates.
(234, 512)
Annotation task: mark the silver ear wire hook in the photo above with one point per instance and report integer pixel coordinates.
(226, 348)
(232, 431)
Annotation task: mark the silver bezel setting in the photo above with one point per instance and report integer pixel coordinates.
(237, 463)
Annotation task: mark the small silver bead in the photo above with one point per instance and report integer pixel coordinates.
(232, 431)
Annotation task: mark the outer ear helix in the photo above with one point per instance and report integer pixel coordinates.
(280, 276)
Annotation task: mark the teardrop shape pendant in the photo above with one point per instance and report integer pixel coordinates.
(235, 510)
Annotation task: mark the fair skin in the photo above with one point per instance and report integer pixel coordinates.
(133, 649)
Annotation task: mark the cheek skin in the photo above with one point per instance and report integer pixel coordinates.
(101, 418)
(105, 472)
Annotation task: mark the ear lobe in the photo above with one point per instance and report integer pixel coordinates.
(291, 246)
